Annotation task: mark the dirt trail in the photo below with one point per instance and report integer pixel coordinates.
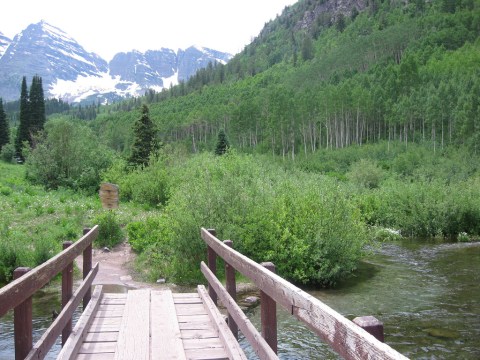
(116, 268)
(116, 272)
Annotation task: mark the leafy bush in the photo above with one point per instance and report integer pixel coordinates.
(67, 155)
(429, 208)
(304, 224)
(110, 233)
(366, 173)
(8, 152)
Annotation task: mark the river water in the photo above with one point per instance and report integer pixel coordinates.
(426, 294)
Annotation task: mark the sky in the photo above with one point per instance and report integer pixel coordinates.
(107, 27)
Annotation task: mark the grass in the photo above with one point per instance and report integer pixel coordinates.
(36, 222)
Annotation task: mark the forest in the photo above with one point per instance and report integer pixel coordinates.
(356, 128)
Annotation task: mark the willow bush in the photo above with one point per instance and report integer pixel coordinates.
(302, 222)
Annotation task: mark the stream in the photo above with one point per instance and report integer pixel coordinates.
(427, 295)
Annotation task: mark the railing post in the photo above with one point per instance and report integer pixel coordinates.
(231, 286)
(87, 266)
(67, 291)
(212, 265)
(371, 325)
(268, 314)
(22, 322)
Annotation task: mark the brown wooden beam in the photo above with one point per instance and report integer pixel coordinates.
(22, 321)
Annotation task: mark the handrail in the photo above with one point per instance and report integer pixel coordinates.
(345, 337)
(18, 294)
(21, 289)
(259, 345)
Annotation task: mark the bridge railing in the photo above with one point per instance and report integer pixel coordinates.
(346, 337)
(18, 294)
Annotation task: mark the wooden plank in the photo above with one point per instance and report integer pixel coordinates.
(187, 301)
(346, 338)
(110, 313)
(105, 356)
(107, 321)
(134, 336)
(104, 328)
(202, 354)
(106, 307)
(195, 326)
(166, 337)
(193, 318)
(22, 288)
(198, 334)
(190, 309)
(110, 302)
(98, 348)
(185, 295)
(231, 344)
(80, 331)
(115, 296)
(258, 343)
(203, 343)
(101, 336)
(43, 346)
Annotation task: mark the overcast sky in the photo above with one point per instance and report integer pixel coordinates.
(110, 26)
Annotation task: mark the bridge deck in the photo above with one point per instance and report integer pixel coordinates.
(149, 324)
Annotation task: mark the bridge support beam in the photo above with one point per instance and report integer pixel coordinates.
(22, 322)
(371, 325)
(212, 265)
(268, 314)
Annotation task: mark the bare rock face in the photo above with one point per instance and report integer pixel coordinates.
(331, 9)
(4, 43)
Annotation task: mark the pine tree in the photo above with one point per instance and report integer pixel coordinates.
(144, 139)
(4, 129)
(23, 132)
(37, 105)
(222, 143)
(308, 51)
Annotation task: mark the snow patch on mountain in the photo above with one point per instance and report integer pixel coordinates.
(72, 74)
(4, 43)
(85, 86)
(170, 81)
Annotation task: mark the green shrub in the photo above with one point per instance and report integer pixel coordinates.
(110, 233)
(305, 223)
(67, 155)
(366, 173)
(8, 152)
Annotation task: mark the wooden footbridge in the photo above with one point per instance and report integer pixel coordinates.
(159, 324)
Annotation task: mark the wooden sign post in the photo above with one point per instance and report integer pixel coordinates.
(109, 196)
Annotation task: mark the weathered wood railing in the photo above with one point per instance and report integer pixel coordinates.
(347, 338)
(18, 296)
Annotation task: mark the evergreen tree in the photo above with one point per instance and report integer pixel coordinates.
(222, 143)
(144, 139)
(23, 132)
(4, 130)
(307, 48)
(37, 105)
(341, 24)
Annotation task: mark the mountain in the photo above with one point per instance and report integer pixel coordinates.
(72, 74)
(4, 42)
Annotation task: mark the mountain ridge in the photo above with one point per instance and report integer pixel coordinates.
(72, 74)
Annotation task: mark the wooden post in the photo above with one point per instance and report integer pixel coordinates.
(212, 265)
(22, 322)
(231, 286)
(87, 266)
(371, 325)
(268, 314)
(67, 292)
